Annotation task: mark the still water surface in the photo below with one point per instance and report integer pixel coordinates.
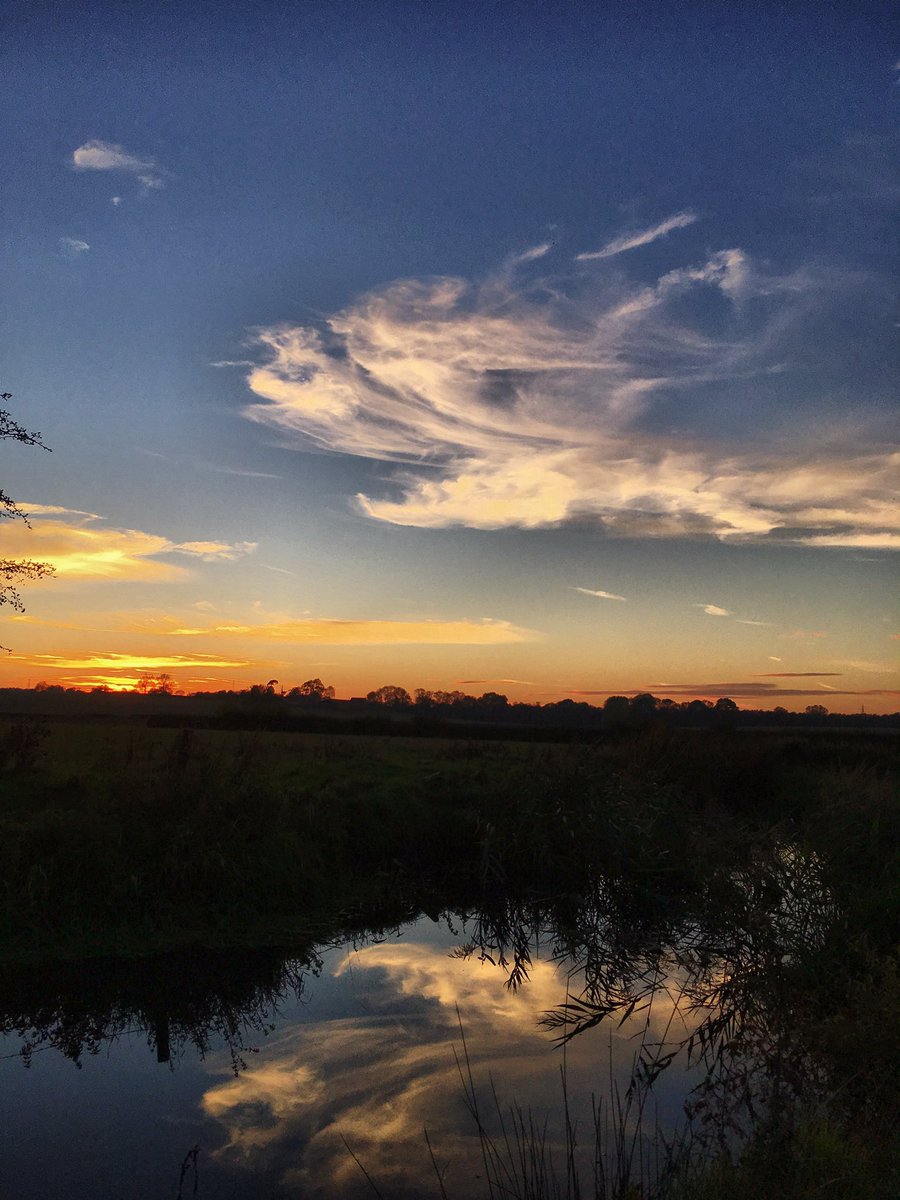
(337, 1070)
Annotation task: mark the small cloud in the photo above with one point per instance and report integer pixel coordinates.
(521, 682)
(55, 510)
(803, 635)
(799, 675)
(600, 594)
(223, 470)
(96, 155)
(233, 362)
(882, 539)
(530, 255)
(713, 610)
(216, 551)
(116, 201)
(742, 621)
(775, 658)
(280, 570)
(73, 247)
(866, 665)
(631, 241)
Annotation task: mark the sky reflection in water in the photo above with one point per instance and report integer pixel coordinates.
(365, 1058)
(375, 1080)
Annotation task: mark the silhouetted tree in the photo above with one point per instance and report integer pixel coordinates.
(643, 707)
(699, 712)
(13, 571)
(312, 689)
(397, 697)
(616, 712)
(725, 712)
(149, 684)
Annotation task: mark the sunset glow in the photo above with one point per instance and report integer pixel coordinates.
(446, 354)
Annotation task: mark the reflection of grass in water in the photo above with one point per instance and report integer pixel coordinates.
(628, 1158)
(795, 1153)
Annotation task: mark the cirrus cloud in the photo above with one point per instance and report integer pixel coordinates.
(529, 400)
(643, 237)
(600, 594)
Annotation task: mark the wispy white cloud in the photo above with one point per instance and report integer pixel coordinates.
(642, 237)
(521, 682)
(600, 594)
(882, 540)
(798, 675)
(73, 247)
(220, 469)
(96, 155)
(215, 551)
(279, 570)
(530, 255)
(529, 401)
(867, 666)
(713, 610)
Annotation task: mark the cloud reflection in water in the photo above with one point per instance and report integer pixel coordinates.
(379, 1079)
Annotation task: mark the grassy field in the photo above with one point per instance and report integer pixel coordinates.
(115, 834)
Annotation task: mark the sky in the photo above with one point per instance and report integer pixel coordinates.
(547, 349)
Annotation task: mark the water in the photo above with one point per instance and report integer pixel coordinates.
(298, 1078)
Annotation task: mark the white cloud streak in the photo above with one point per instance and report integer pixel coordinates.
(601, 595)
(713, 610)
(526, 401)
(215, 551)
(643, 237)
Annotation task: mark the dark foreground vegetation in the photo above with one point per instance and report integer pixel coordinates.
(763, 867)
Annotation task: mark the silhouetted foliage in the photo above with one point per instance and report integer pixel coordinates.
(312, 689)
(390, 694)
(15, 571)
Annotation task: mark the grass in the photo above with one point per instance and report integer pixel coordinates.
(115, 835)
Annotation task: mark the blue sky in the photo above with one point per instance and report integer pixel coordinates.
(520, 300)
